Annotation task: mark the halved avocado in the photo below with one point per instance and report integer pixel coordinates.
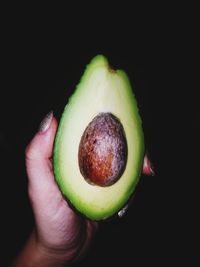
(99, 145)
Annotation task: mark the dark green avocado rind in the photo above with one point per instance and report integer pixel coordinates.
(98, 215)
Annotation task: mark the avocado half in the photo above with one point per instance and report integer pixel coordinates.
(99, 144)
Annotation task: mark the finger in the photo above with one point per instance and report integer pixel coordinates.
(91, 229)
(147, 166)
(147, 169)
(123, 211)
(38, 154)
(42, 143)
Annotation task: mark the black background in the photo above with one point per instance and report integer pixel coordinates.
(43, 56)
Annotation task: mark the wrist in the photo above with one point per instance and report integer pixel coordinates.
(36, 254)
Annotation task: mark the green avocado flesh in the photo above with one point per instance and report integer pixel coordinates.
(99, 144)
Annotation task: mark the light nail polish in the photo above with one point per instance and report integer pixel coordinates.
(45, 123)
(122, 212)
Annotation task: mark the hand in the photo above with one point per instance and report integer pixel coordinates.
(60, 235)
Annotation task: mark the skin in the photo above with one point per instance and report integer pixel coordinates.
(61, 236)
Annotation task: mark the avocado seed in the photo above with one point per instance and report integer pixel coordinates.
(103, 150)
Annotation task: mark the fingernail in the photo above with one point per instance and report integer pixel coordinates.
(148, 168)
(45, 123)
(122, 212)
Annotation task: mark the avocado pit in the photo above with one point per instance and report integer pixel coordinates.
(103, 150)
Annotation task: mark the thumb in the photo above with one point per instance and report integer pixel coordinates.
(38, 157)
(41, 145)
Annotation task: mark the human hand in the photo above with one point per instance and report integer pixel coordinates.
(60, 235)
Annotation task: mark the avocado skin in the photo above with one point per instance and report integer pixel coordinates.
(96, 202)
